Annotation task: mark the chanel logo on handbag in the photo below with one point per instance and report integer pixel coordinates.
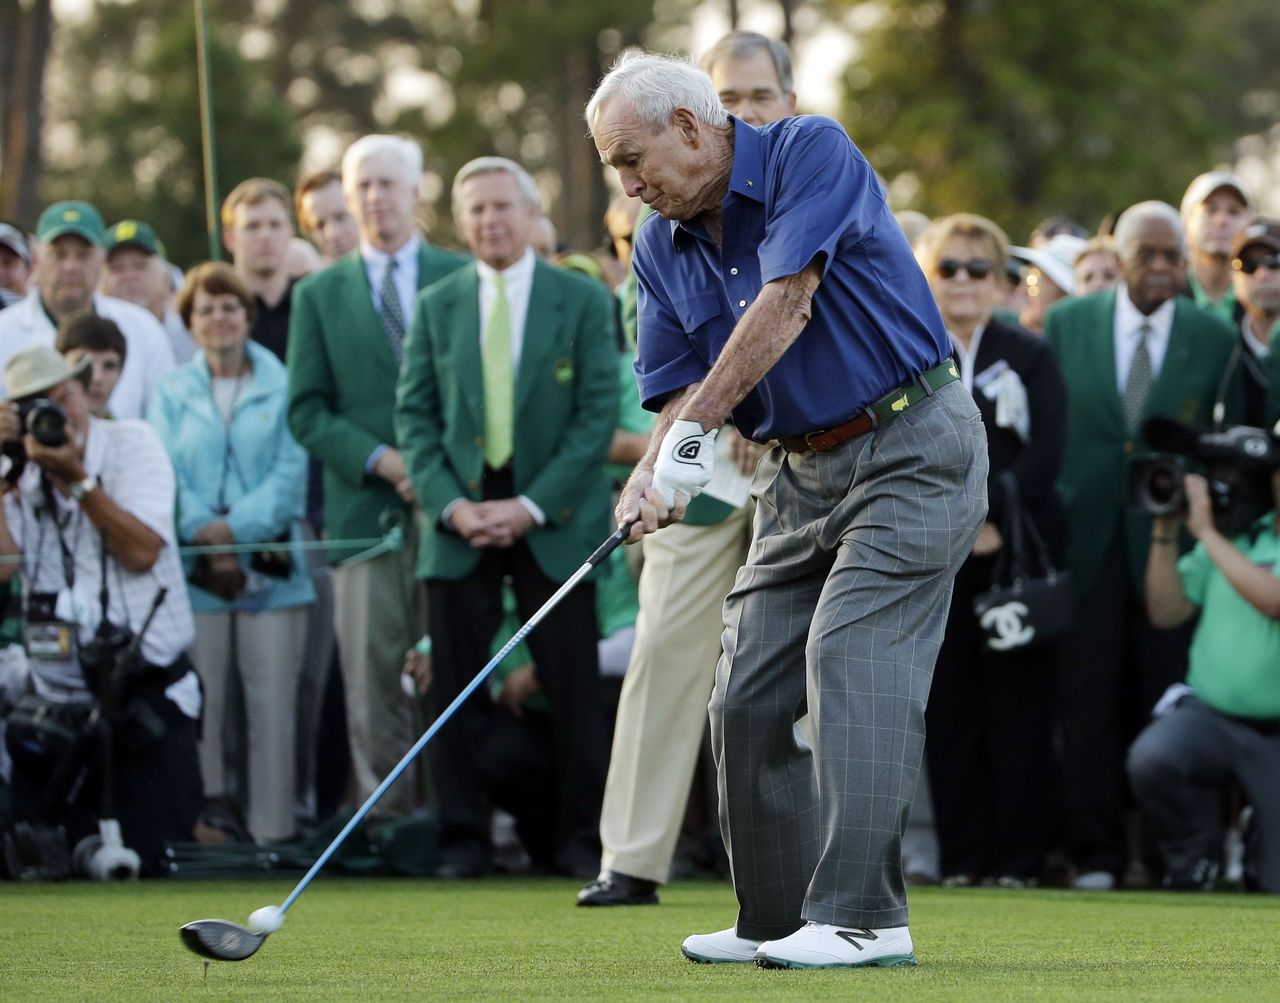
(1006, 627)
(1030, 602)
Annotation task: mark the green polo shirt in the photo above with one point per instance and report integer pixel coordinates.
(1235, 654)
(1224, 308)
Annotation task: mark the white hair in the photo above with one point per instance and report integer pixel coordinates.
(494, 165)
(406, 154)
(1126, 231)
(655, 86)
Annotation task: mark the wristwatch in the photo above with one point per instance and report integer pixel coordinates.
(81, 488)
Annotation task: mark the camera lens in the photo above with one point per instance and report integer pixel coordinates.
(1163, 485)
(47, 424)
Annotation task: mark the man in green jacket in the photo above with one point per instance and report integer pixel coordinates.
(1126, 355)
(506, 406)
(346, 336)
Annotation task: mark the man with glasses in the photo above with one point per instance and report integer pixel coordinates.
(1127, 354)
(1255, 263)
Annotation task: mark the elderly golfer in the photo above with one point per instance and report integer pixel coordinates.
(776, 288)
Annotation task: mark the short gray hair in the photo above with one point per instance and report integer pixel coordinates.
(496, 165)
(744, 45)
(656, 85)
(405, 152)
(1131, 219)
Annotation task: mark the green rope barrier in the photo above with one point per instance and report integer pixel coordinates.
(372, 547)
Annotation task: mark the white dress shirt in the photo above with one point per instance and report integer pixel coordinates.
(966, 357)
(148, 354)
(377, 262)
(518, 281)
(1127, 327)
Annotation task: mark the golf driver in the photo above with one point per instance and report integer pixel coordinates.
(226, 941)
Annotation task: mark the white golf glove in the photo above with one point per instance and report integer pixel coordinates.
(685, 461)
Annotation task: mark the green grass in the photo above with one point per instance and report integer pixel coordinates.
(363, 939)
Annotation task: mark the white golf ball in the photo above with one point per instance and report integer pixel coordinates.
(268, 919)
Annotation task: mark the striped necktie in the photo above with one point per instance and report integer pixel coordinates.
(392, 312)
(1137, 387)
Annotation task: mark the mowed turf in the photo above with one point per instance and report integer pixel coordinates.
(523, 939)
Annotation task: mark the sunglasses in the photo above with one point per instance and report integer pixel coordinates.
(976, 268)
(1252, 264)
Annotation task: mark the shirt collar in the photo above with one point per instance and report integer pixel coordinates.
(1129, 319)
(407, 253)
(747, 178)
(517, 272)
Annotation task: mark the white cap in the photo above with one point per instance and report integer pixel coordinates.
(1057, 259)
(1206, 184)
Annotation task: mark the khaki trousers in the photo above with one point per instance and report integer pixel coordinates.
(379, 616)
(266, 648)
(662, 712)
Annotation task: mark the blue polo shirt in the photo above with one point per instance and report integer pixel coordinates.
(800, 190)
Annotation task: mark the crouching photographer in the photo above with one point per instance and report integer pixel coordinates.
(104, 741)
(1223, 724)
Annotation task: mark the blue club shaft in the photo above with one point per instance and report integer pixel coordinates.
(603, 551)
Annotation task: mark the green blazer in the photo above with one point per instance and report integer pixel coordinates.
(342, 380)
(566, 409)
(1094, 478)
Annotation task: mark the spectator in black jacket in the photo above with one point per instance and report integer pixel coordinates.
(988, 715)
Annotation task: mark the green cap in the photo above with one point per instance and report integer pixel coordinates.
(134, 233)
(79, 218)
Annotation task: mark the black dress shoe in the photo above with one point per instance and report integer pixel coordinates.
(612, 888)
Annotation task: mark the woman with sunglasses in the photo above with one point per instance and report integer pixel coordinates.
(988, 746)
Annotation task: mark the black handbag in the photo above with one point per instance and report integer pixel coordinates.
(1030, 602)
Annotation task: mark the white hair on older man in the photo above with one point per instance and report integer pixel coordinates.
(1126, 231)
(493, 165)
(655, 86)
(404, 152)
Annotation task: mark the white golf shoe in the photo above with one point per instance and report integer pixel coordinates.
(821, 945)
(724, 947)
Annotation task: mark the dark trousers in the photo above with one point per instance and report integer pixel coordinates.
(1114, 666)
(465, 615)
(989, 744)
(517, 768)
(155, 787)
(1177, 766)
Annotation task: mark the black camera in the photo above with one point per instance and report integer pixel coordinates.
(1238, 462)
(45, 420)
(47, 424)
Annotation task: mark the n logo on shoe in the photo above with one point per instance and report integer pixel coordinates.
(853, 936)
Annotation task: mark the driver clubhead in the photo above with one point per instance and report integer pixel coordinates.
(220, 940)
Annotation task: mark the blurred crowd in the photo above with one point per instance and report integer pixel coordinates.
(314, 491)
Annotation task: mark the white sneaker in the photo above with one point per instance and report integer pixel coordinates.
(1094, 881)
(724, 947)
(821, 945)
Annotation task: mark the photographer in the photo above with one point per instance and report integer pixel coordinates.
(1223, 725)
(92, 520)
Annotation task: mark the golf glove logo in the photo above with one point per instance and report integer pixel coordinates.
(685, 461)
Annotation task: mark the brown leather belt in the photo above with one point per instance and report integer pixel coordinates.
(887, 407)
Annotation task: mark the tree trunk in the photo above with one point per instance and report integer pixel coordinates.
(25, 35)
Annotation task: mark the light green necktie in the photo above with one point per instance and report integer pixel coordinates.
(499, 380)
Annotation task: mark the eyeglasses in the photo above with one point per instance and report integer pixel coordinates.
(975, 268)
(1252, 264)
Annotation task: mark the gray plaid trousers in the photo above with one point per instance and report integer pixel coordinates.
(840, 611)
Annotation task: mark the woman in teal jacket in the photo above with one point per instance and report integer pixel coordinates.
(241, 480)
